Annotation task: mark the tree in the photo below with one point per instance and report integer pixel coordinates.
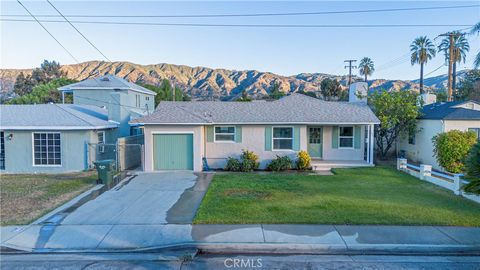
(398, 112)
(366, 67)
(460, 49)
(23, 84)
(244, 97)
(451, 149)
(47, 72)
(469, 86)
(476, 30)
(276, 93)
(43, 93)
(472, 169)
(164, 92)
(309, 93)
(330, 89)
(422, 50)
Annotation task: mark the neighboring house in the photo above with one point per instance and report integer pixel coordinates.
(181, 135)
(437, 118)
(51, 138)
(124, 100)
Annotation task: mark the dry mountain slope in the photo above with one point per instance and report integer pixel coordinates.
(202, 82)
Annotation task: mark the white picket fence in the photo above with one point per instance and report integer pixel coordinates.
(453, 182)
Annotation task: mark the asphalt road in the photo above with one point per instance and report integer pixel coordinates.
(162, 261)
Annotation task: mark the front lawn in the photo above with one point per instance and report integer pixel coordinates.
(379, 195)
(24, 198)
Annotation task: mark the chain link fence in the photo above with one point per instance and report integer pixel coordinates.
(127, 153)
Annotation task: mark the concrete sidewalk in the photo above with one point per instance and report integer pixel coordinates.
(306, 239)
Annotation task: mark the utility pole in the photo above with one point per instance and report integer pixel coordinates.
(350, 62)
(451, 60)
(173, 90)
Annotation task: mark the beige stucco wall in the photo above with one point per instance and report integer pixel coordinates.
(422, 151)
(198, 139)
(253, 139)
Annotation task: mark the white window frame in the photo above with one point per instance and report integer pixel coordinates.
(273, 138)
(33, 151)
(346, 137)
(476, 130)
(222, 141)
(101, 144)
(137, 100)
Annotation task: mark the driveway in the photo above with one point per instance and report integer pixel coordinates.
(147, 199)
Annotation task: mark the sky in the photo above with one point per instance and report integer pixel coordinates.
(285, 51)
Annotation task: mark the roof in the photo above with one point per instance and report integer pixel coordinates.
(54, 117)
(449, 111)
(292, 109)
(106, 82)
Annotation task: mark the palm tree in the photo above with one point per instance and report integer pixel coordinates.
(366, 67)
(476, 30)
(460, 49)
(422, 50)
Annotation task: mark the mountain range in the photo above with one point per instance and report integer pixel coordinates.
(207, 83)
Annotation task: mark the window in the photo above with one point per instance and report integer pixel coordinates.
(411, 138)
(282, 138)
(2, 151)
(47, 149)
(101, 141)
(345, 137)
(137, 101)
(477, 131)
(225, 134)
(147, 98)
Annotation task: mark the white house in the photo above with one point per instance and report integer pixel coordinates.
(438, 117)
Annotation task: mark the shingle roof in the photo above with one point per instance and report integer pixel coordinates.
(106, 82)
(449, 111)
(54, 117)
(296, 108)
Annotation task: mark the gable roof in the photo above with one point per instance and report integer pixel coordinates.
(54, 117)
(449, 111)
(106, 82)
(292, 109)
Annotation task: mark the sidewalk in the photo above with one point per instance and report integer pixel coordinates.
(284, 238)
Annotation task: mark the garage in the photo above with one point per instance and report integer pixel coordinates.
(172, 152)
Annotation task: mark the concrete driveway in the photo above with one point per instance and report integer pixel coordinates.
(147, 199)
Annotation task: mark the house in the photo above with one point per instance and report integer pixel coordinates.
(58, 138)
(51, 138)
(183, 135)
(124, 100)
(438, 117)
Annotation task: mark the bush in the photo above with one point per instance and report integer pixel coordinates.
(248, 162)
(472, 169)
(303, 160)
(451, 149)
(233, 165)
(280, 164)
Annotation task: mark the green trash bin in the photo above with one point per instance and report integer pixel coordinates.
(106, 170)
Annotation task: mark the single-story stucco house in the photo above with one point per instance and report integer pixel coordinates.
(51, 138)
(185, 135)
(438, 117)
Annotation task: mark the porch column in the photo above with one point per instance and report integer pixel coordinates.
(370, 144)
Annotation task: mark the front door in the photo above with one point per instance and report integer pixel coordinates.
(315, 142)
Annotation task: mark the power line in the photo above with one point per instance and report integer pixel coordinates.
(78, 31)
(259, 14)
(433, 71)
(48, 32)
(253, 25)
(350, 62)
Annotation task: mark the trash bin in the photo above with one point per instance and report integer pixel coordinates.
(105, 169)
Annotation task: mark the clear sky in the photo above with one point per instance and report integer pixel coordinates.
(285, 51)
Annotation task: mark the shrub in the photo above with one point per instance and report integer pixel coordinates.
(303, 160)
(248, 162)
(233, 165)
(280, 164)
(451, 149)
(472, 169)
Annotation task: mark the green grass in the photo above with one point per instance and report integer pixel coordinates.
(24, 198)
(379, 195)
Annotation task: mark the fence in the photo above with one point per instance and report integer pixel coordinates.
(127, 153)
(453, 182)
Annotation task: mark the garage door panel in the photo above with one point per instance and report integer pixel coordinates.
(173, 151)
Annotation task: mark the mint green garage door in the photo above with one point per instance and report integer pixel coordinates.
(173, 152)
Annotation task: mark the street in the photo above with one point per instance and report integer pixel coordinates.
(234, 261)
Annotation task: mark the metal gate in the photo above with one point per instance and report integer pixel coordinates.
(126, 156)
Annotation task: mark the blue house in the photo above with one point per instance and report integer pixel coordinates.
(54, 138)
